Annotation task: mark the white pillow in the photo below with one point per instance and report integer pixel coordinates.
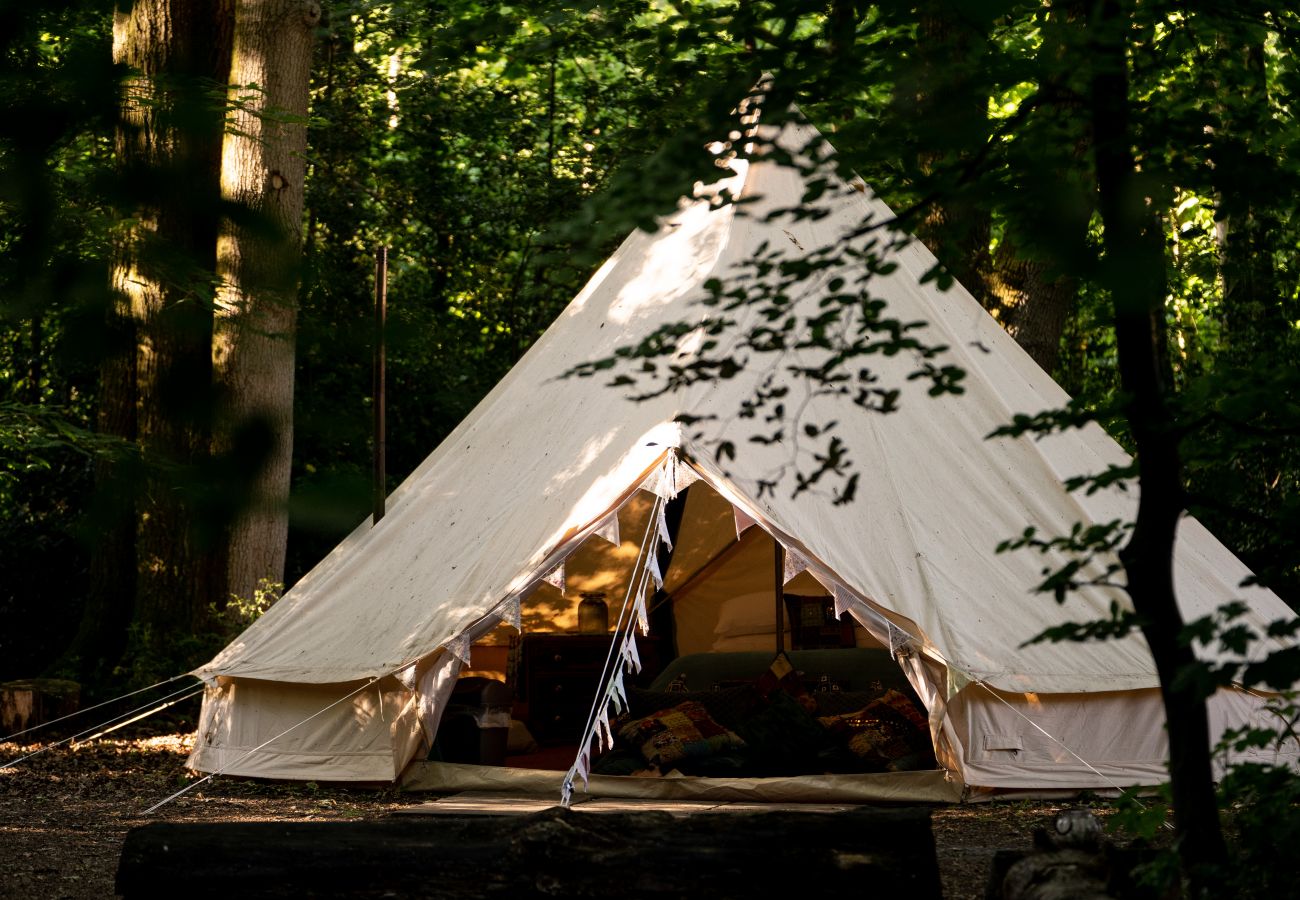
(749, 614)
(743, 643)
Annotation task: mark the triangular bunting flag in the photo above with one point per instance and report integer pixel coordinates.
(663, 528)
(642, 618)
(794, 564)
(608, 529)
(844, 601)
(652, 563)
(630, 653)
(898, 639)
(406, 677)
(602, 729)
(618, 693)
(511, 612)
(555, 578)
(683, 476)
(584, 767)
(743, 521)
(459, 648)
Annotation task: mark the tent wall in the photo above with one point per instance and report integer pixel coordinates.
(1097, 741)
(371, 736)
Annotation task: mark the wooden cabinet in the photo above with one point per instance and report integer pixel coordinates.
(557, 676)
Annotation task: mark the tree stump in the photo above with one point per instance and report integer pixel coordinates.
(554, 853)
(35, 701)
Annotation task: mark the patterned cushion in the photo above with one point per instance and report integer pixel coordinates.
(728, 707)
(888, 733)
(684, 731)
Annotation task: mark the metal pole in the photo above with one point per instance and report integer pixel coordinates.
(381, 318)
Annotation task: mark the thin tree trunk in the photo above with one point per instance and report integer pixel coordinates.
(1134, 261)
(1253, 314)
(263, 169)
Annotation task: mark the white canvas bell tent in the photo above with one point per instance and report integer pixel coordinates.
(345, 678)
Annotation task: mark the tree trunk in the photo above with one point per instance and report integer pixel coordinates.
(150, 566)
(1134, 270)
(1032, 279)
(1031, 304)
(263, 169)
(952, 123)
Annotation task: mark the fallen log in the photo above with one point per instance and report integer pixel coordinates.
(555, 853)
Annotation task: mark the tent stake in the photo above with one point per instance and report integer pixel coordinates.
(381, 316)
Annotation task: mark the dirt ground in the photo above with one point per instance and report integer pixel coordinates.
(64, 814)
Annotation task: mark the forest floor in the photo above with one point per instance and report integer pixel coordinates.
(64, 814)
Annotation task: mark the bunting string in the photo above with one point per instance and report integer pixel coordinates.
(632, 617)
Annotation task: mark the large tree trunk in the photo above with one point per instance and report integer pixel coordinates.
(263, 169)
(1135, 274)
(150, 567)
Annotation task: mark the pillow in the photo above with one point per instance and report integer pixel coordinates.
(682, 732)
(728, 706)
(888, 733)
(745, 643)
(837, 703)
(749, 614)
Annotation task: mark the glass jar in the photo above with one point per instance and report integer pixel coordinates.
(593, 613)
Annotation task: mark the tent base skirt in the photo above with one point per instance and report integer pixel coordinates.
(933, 786)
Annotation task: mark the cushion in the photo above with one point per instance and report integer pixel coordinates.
(749, 614)
(728, 706)
(681, 732)
(837, 703)
(888, 733)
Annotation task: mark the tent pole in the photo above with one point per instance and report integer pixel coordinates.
(380, 491)
(779, 591)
